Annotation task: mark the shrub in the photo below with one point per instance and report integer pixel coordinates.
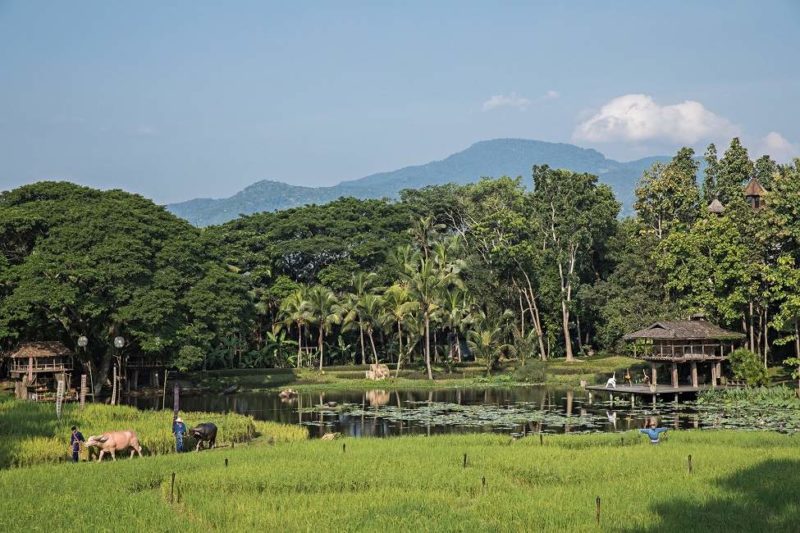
(747, 367)
(533, 371)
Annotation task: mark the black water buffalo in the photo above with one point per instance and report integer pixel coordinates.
(205, 432)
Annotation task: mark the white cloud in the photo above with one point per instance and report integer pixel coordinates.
(776, 146)
(550, 95)
(502, 100)
(637, 117)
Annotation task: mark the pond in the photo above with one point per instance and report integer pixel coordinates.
(514, 411)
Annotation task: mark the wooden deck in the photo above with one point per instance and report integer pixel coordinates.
(645, 389)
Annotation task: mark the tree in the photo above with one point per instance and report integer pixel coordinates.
(396, 309)
(574, 214)
(710, 174)
(324, 312)
(735, 168)
(485, 343)
(667, 195)
(295, 310)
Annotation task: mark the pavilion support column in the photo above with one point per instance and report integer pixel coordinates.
(694, 374)
(654, 374)
(718, 366)
(675, 375)
(713, 375)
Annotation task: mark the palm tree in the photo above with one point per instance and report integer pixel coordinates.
(370, 309)
(362, 283)
(325, 311)
(455, 312)
(426, 284)
(294, 308)
(484, 341)
(397, 306)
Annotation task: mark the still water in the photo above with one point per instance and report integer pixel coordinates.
(381, 413)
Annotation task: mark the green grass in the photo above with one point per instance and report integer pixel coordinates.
(31, 434)
(559, 372)
(740, 482)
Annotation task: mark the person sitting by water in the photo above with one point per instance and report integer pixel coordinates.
(179, 429)
(628, 378)
(612, 381)
(646, 378)
(653, 432)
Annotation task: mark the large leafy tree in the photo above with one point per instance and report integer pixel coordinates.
(574, 215)
(78, 261)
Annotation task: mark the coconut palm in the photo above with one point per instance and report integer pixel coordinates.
(426, 285)
(397, 306)
(294, 309)
(362, 283)
(485, 343)
(370, 309)
(324, 311)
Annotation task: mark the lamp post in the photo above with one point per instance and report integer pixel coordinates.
(119, 343)
(83, 342)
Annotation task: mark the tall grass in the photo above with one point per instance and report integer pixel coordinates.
(739, 482)
(31, 434)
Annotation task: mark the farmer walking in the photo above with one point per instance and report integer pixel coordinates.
(75, 441)
(179, 429)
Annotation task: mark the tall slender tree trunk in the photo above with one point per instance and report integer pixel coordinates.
(321, 353)
(565, 328)
(535, 317)
(797, 337)
(752, 330)
(400, 352)
(361, 334)
(428, 346)
(372, 343)
(766, 337)
(299, 345)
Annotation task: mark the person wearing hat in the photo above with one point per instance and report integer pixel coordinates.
(75, 441)
(179, 429)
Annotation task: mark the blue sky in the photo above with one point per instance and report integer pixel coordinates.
(176, 100)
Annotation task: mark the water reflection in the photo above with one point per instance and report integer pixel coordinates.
(380, 413)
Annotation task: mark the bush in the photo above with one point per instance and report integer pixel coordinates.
(747, 367)
(533, 371)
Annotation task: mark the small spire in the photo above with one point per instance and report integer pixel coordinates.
(716, 207)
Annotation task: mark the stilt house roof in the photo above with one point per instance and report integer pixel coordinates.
(697, 329)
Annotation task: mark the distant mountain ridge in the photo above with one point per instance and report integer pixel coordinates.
(493, 158)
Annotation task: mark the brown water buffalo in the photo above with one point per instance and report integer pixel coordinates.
(115, 441)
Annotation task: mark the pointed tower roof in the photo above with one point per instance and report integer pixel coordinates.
(716, 207)
(754, 188)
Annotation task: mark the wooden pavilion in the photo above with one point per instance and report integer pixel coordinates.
(754, 193)
(683, 342)
(38, 366)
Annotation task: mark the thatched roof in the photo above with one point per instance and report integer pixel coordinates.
(754, 188)
(716, 207)
(40, 349)
(684, 330)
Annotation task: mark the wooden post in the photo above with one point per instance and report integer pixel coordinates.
(719, 369)
(597, 509)
(675, 375)
(83, 390)
(713, 375)
(654, 377)
(694, 374)
(172, 489)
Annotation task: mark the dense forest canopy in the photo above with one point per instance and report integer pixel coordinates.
(486, 270)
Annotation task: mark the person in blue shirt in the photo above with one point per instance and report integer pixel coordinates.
(653, 432)
(75, 441)
(179, 429)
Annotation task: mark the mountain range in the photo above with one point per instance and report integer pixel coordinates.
(497, 157)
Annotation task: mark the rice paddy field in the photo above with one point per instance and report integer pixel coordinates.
(738, 481)
(31, 434)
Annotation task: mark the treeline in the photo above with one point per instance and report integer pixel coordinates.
(489, 270)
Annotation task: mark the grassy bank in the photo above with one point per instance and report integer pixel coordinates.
(739, 482)
(555, 372)
(31, 434)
